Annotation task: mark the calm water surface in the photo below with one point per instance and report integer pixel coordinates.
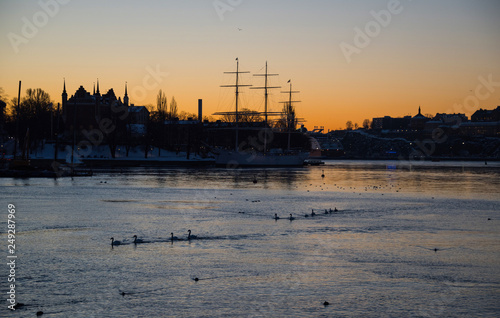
(420, 240)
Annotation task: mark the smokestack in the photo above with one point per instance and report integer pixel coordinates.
(200, 110)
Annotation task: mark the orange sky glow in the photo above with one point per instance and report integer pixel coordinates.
(350, 60)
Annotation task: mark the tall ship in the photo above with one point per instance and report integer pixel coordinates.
(262, 155)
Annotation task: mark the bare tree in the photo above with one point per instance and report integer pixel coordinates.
(3, 105)
(245, 115)
(366, 124)
(161, 104)
(173, 108)
(349, 125)
(186, 115)
(33, 114)
(162, 113)
(288, 118)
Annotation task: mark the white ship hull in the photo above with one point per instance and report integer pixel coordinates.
(233, 159)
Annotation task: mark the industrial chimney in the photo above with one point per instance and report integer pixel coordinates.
(200, 110)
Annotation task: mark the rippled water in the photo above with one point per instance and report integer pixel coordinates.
(420, 240)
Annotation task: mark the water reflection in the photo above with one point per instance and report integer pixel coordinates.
(450, 178)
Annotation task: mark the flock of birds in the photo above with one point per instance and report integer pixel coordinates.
(140, 241)
(322, 187)
(313, 214)
(190, 237)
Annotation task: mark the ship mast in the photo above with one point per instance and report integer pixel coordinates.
(266, 98)
(237, 92)
(290, 111)
(16, 138)
(266, 88)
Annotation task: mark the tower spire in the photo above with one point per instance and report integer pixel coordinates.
(98, 87)
(64, 96)
(125, 98)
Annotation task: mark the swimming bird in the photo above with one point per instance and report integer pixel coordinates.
(335, 210)
(322, 173)
(326, 211)
(312, 212)
(276, 217)
(291, 218)
(136, 240)
(191, 237)
(326, 303)
(113, 242)
(173, 238)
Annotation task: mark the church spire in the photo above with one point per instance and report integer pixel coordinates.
(98, 87)
(94, 89)
(64, 96)
(419, 110)
(125, 98)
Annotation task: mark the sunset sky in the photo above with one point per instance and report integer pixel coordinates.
(349, 59)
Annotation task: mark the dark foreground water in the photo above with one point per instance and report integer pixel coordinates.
(407, 241)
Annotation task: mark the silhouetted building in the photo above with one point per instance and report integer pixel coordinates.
(389, 123)
(487, 128)
(451, 118)
(80, 110)
(486, 115)
(447, 122)
(418, 121)
(86, 111)
(138, 115)
(483, 123)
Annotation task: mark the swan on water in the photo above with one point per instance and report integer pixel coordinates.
(276, 217)
(136, 240)
(291, 218)
(113, 242)
(173, 238)
(190, 237)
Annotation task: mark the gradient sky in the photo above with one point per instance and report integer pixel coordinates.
(431, 53)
